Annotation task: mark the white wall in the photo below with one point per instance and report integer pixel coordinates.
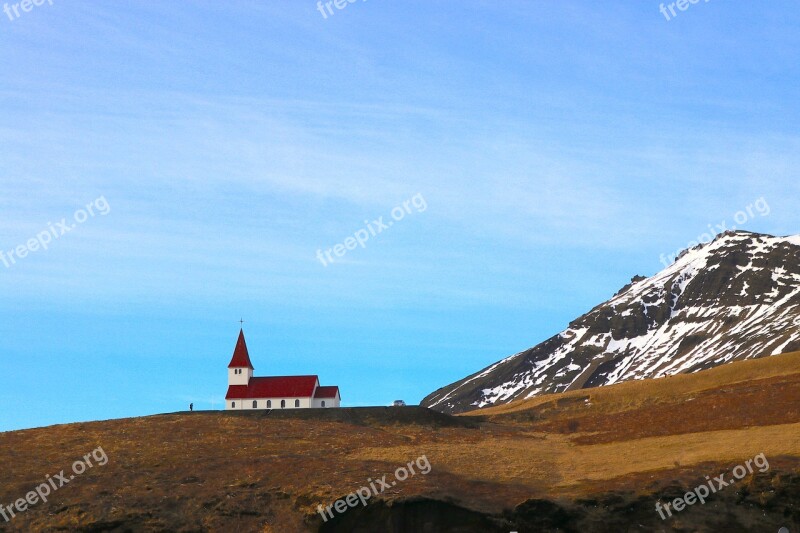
(305, 403)
(276, 403)
(329, 402)
(239, 379)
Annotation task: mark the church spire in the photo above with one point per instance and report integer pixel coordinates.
(241, 358)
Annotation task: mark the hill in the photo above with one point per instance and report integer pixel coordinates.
(589, 460)
(733, 299)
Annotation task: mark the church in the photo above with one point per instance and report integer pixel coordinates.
(274, 392)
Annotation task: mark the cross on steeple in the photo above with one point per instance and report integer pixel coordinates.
(241, 322)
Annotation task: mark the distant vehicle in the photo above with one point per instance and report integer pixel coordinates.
(398, 403)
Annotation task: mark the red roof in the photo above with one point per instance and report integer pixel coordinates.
(241, 359)
(274, 387)
(327, 392)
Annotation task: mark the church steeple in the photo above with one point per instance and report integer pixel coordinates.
(240, 369)
(241, 358)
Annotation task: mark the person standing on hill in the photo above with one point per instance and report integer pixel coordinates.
(191, 407)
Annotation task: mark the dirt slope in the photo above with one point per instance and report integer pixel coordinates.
(582, 461)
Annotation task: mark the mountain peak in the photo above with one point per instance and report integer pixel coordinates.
(736, 297)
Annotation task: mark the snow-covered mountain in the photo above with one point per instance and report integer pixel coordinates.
(735, 298)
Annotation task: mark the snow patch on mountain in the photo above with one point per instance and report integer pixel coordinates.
(735, 298)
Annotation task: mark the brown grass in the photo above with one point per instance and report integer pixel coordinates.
(634, 394)
(211, 470)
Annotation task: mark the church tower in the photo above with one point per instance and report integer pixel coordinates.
(240, 369)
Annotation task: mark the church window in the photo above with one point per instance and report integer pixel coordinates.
(297, 403)
(323, 403)
(283, 404)
(255, 404)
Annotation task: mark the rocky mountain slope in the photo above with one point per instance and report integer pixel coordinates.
(735, 298)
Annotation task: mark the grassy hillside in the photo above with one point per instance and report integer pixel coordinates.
(585, 460)
(631, 394)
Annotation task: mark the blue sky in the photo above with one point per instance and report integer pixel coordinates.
(560, 148)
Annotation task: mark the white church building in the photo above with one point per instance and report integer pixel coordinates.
(246, 392)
